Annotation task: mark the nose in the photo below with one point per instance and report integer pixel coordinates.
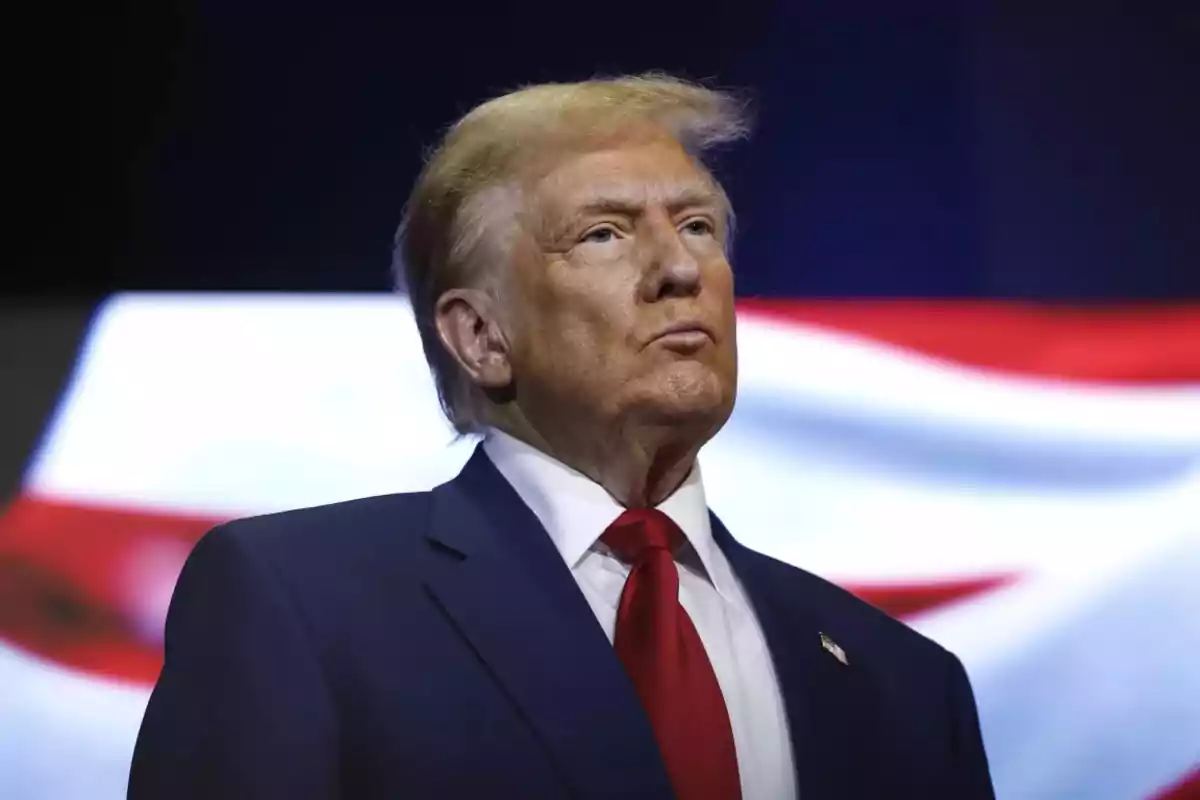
(672, 270)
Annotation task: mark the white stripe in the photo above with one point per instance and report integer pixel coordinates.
(245, 403)
(64, 735)
(234, 405)
(1087, 684)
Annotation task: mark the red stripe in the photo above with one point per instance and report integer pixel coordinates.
(69, 591)
(1187, 789)
(1128, 344)
(69, 582)
(906, 600)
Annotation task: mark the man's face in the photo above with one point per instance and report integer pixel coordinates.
(621, 307)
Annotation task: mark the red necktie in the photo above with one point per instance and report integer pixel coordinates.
(663, 654)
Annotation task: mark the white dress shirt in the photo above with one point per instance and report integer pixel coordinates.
(575, 511)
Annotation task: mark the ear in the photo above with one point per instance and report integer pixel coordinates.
(468, 325)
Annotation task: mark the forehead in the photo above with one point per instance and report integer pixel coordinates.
(644, 173)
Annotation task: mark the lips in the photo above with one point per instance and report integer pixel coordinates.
(685, 333)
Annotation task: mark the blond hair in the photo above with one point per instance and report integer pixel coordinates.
(461, 213)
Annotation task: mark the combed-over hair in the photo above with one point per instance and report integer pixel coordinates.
(458, 220)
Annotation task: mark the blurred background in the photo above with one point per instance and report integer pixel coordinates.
(969, 272)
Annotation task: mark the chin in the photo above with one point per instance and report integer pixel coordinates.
(691, 394)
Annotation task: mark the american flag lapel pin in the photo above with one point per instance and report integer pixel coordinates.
(834, 649)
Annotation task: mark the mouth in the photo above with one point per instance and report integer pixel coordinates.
(684, 336)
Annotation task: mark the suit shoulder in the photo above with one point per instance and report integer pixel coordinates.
(859, 623)
(327, 530)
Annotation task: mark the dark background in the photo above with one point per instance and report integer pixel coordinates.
(1027, 150)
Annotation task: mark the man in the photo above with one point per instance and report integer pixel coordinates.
(565, 618)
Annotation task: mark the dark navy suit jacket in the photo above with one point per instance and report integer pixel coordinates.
(435, 645)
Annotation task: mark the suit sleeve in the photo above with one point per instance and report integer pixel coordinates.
(242, 708)
(972, 777)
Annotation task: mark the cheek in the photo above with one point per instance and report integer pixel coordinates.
(600, 330)
(719, 286)
(576, 325)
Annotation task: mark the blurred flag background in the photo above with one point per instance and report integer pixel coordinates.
(969, 278)
(1022, 485)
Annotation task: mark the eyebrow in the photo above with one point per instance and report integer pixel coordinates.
(693, 197)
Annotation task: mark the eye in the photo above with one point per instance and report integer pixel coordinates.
(601, 235)
(699, 227)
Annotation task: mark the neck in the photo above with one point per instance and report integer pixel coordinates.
(639, 465)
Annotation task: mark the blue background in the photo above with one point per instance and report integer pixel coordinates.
(1026, 150)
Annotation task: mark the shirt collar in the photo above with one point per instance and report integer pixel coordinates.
(575, 510)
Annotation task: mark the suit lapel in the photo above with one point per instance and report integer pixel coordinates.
(830, 705)
(508, 592)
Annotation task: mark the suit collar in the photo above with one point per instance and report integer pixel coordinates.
(575, 510)
(830, 705)
(506, 589)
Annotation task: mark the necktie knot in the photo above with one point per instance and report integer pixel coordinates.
(640, 530)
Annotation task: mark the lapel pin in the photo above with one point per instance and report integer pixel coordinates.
(834, 649)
